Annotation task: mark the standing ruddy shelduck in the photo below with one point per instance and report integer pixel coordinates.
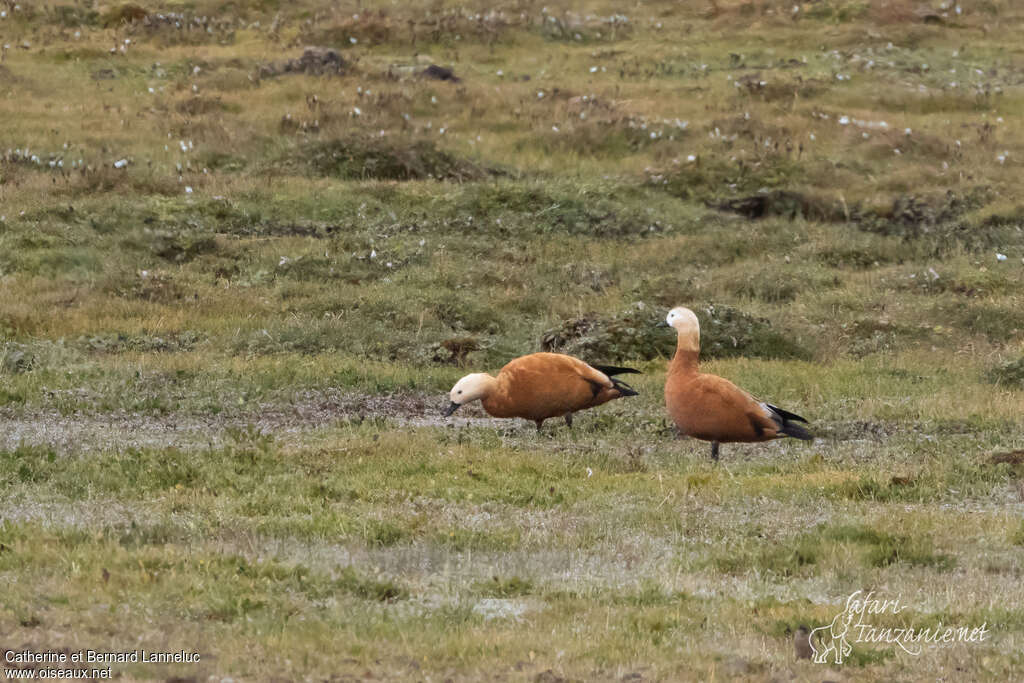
(712, 408)
(539, 386)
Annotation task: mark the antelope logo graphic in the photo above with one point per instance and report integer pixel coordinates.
(832, 638)
(854, 625)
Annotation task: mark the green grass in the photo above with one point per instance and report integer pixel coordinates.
(234, 297)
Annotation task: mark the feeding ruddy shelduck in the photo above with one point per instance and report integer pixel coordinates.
(539, 386)
(712, 408)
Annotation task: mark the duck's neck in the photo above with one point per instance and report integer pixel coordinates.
(687, 354)
(495, 398)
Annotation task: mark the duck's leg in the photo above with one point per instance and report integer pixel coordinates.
(539, 423)
(568, 420)
(714, 451)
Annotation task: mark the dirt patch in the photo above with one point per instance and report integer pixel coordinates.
(1014, 458)
(856, 430)
(316, 61)
(293, 230)
(301, 415)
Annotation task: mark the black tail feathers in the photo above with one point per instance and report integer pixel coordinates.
(787, 421)
(796, 431)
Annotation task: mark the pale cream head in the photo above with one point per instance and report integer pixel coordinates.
(683, 320)
(471, 388)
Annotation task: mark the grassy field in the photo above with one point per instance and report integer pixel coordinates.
(236, 285)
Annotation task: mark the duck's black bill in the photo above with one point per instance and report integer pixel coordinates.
(452, 407)
(663, 323)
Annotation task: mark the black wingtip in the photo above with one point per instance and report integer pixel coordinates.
(614, 370)
(785, 414)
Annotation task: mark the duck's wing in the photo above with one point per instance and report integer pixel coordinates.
(785, 414)
(600, 377)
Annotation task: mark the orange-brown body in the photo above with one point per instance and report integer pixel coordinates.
(540, 386)
(712, 408)
(544, 385)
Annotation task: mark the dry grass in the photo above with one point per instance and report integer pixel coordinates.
(234, 295)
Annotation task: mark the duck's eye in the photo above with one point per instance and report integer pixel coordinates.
(460, 391)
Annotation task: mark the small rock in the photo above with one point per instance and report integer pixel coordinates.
(500, 608)
(318, 61)
(440, 73)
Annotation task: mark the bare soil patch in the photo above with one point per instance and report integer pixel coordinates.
(84, 432)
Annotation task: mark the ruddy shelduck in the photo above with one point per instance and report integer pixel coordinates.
(712, 408)
(539, 386)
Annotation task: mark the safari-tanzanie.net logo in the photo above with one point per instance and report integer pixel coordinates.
(858, 623)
